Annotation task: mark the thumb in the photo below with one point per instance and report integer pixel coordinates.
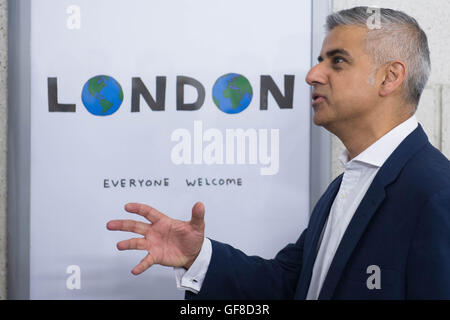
(198, 215)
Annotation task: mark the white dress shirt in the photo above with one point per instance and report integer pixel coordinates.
(358, 175)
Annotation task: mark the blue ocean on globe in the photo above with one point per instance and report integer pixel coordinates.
(232, 93)
(102, 95)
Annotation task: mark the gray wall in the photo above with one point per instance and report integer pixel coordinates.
(3, 139)
(433, 112)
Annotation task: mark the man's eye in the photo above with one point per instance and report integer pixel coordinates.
(337, 60)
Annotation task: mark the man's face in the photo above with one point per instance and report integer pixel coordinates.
(345, 88)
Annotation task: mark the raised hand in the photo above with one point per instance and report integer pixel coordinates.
(169, 242)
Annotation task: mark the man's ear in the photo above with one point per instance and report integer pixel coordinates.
(394, 75)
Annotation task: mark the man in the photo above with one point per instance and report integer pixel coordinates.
(381, 230)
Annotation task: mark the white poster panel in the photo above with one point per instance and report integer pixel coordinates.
(165, 103)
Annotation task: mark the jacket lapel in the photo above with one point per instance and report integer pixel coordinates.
(369, 205)
(316, 224)
(374, 196)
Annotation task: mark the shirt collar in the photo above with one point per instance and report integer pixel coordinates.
(378, 152)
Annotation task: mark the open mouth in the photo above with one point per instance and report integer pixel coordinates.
(317, 98)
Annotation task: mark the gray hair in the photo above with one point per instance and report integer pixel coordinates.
(399, 36)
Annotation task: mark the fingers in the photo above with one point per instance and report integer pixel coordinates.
(145, 263)
(139, 244)
(128, 225)
(198, 215)
(133, 244)
(151, 214)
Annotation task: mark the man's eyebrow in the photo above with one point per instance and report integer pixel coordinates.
(335, 52)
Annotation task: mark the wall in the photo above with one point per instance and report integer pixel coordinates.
(3, 140)
(433, 111)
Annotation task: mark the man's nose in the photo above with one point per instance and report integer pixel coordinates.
(316, 75)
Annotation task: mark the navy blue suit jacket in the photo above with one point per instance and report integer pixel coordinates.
(402, 225)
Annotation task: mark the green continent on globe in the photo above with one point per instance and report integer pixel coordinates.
(121, 95)
(106, 105)
(236, 89)
(96, 85)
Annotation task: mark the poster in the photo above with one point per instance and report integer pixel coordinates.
(165, 103)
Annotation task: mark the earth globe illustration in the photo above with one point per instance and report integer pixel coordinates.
(102, 95)
(232, 93)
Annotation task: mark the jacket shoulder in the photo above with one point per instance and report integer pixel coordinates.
(427, 172)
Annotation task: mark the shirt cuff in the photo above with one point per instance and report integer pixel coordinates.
(192, 279)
